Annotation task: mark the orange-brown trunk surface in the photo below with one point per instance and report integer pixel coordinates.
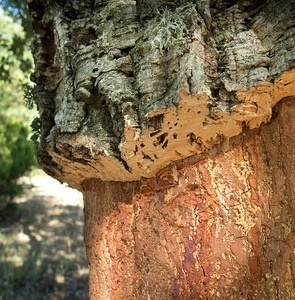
(220, 227)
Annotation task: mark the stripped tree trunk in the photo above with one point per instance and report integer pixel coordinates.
(175, 120)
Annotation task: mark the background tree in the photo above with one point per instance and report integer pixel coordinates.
(157, 111)
(16, 151)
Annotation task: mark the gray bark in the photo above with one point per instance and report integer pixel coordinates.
(125, 87)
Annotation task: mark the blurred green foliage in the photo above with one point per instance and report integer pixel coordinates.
(16, 63)
(16, 156)
(18, 10)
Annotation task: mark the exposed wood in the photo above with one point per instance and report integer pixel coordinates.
(219, 228)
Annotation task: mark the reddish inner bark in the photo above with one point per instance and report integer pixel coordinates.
(218, 228)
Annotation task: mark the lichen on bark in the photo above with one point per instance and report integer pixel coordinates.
(118, 76)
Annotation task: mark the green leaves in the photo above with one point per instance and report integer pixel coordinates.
(16, 153)
(18, 11)
(16, 64)
(15, 58)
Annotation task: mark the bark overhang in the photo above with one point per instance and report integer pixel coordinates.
(125, 88)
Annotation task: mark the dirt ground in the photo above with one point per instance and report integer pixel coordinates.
(42, 255)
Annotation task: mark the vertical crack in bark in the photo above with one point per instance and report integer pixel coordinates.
(274, 278)
(281, 157)
(204, 283)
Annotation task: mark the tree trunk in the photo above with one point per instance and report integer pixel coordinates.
(174, 118)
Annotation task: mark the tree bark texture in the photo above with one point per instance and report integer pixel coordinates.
(158, 111)
(220, 227)
(125, 87)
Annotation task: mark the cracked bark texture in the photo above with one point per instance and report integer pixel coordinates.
(157, 111)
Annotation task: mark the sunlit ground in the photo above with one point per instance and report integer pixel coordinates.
(42, 255)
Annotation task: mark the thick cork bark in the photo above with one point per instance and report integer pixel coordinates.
(221, 227)
(126, 87)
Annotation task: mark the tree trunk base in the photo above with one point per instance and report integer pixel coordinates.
(220, 227)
